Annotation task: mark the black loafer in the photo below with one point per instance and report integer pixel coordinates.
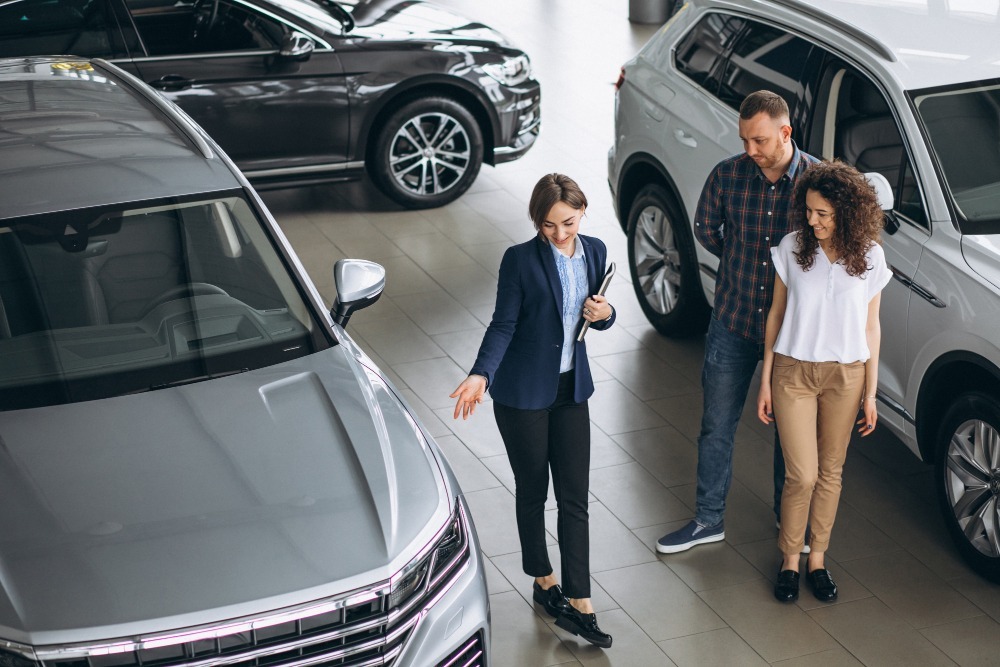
(583, 625)
(822, 584)
(786, 588)
(551, 598)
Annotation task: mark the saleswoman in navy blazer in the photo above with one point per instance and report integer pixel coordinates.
(539, 377)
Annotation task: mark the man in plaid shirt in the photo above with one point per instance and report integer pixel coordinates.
(742, 212)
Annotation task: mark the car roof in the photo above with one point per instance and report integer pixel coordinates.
(930, 44)
(76, 133)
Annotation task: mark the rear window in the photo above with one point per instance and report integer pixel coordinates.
(108, 301)
(700, 53)
(764, 57)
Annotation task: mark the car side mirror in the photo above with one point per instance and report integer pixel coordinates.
(359, 284)
(296, 46)
(885, 199)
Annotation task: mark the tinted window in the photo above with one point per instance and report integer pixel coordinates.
(702, 49)
(51, 27)
(169, 28)
(764, 57)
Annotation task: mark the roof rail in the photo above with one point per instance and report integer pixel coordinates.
(162, 104)
(845, 27)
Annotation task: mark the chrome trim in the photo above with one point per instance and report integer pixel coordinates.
(918, 289)
(709, 271)
(311, 169)
(894, 406)
(248, 624)
(162, 105)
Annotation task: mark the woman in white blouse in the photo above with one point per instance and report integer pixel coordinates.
(821, 348)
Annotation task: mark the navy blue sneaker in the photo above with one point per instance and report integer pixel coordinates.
(690, 535)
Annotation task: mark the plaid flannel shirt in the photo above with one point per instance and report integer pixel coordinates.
(740, 216)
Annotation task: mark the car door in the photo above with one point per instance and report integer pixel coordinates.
(220, 61)
(855, 122)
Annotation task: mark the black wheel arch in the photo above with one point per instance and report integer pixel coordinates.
(453, 88)
(640, 170)
(951, 374)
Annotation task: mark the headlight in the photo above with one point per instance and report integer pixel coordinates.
(511, 71)
(425, 573)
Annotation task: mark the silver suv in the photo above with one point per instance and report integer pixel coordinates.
(912, 94)
(198, 467)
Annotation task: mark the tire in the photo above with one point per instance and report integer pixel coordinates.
(968, 479)
(664, 265)
(427, 153)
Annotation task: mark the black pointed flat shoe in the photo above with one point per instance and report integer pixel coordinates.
(583, 625)
(551, 598)
(822, 584)
(786, 588)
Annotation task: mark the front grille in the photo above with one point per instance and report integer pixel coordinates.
(354, 635)
(470, 654)
(366, 627)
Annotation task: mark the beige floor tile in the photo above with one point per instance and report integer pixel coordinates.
(634, 496)
(973, 641)
(717, 647)
(604, 451)
(493, 513)
(664, 453)
(612, 545)
(471, 473)
(400, 224)
(495, 581)
(403, 277)
(479, 432)
(876, 635)
(520, 638)
(682, 412)
(433, 380)
(611, 341)
(837, 657)
(489, 256)
(911, 590)
(434, 251)
(775, 630)
(396, 340)
(461, 346)
(436, 312)
(855, 536)
(659, 602)
(645, 375)
(984, 594)
(469, 285)
(708, 567)
(620, 294)
(631, 645)
(616, 410)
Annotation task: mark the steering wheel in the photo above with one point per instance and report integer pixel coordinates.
(183, 292)
(205, 14)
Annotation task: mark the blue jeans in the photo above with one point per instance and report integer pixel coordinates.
(730, 362)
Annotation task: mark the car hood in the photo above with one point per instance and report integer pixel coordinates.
(409, 20)
(210, 501)
(982, 252)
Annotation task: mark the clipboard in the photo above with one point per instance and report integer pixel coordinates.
(600, 292)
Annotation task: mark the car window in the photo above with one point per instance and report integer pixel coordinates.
(699, 54)
(963, 129)
(867, 136)
(47, 27)
(107, 301)
(176, 28)
(765, 57)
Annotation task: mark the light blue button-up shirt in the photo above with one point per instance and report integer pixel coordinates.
(573, 278)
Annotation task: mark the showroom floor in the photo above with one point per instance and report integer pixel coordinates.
(906, 598)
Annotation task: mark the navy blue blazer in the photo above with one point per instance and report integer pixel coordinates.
(521, 351)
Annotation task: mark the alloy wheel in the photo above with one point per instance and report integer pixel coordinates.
(657, 260)
(429, 154)
(972, 482)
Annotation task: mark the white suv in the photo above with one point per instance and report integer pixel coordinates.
(911, 93)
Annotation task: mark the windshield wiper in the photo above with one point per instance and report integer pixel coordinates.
(197, 378)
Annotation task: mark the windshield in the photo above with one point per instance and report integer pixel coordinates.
(108, 301)
(963, 125)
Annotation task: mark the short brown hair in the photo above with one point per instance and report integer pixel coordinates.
(550, 189)
(764, 101)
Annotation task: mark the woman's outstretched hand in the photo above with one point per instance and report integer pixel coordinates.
(469, 395)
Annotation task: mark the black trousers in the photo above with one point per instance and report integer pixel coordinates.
(557, 437)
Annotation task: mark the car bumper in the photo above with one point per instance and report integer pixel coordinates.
(520, 115)
(456, 622)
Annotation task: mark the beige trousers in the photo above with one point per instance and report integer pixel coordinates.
(815, 405)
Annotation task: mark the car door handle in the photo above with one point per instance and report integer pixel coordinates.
(685, 138)
(171, 82)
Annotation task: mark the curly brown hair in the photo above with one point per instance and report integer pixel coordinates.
(856, 214)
